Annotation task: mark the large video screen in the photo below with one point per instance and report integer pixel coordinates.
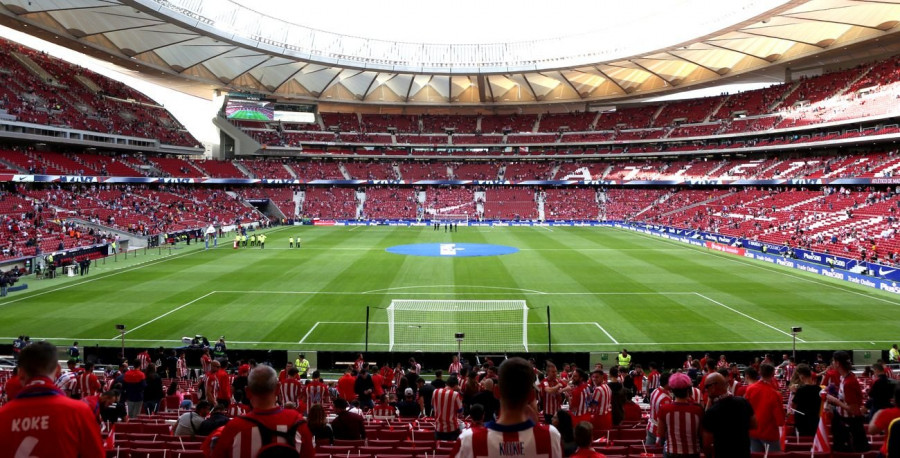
(250, 110)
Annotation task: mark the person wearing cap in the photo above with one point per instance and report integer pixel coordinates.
(768, 405)
(848, 426)
(679, 421)
(447, 405)
(727, 421)
(302, 365)
(408, 407)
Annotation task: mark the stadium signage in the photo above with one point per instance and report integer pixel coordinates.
(720, 247)
(22, 178)
(77, 179)
(806, 261)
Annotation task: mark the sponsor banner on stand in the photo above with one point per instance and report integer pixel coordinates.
(881, 277)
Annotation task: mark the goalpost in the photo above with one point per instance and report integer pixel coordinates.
(452, 217)
(431, 325)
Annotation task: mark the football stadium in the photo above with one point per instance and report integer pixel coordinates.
(192, 191)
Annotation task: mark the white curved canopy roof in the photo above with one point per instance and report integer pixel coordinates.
(224, 43)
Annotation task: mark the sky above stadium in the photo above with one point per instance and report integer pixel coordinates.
(502, 21)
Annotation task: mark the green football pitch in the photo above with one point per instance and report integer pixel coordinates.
(606, 289)
(249, 114)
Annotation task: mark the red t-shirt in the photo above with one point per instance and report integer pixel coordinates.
(882, 421)
(346, 387)
(42, 421)
(768, 406)
(241, 439)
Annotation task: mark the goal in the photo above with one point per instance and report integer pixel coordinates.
(432, 325)
(452, 217)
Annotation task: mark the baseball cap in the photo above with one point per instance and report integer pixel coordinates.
(408, 392)
(679, 380)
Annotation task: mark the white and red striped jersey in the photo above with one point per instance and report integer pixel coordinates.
(696, 396)
(579, 400)
(455, 368)
(551, 402)
(88, 384)
(447, 404)
(415, 368)
(495, 441)
(289, 391)
(398, 374)
(652, 381)
(384, 411)
(359, 364)
(143, 360)
(206, 363)
(679, 423)
(658, 398)
(316, 393)
(181, 368)
(236, 409)
(601, 400)
(68, 382)
(212, 387)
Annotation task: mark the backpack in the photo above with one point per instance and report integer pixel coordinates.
(271, 447)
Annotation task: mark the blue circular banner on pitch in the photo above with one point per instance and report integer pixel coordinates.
(452, 250)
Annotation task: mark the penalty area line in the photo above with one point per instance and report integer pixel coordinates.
(607, 334)
(164, 314)
(749, 317)
(309, 332)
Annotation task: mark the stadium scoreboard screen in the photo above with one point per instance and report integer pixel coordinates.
(250, 108)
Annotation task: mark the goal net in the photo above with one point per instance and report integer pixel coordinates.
(432, 325)
(452, 217)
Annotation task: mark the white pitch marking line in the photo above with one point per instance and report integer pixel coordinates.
(518, 291)
(604, 331)
(572, 323)
(309, 332)
(164, 314)
(749, 317)
(454, 286)
(545, 227)
(761, 266)
(119, 272)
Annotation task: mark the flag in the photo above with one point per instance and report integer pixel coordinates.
(820, 443)
(783, 437)
(110, 442)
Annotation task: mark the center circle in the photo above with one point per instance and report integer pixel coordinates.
(452, 250)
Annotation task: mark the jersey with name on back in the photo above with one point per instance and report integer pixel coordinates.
(272, 448)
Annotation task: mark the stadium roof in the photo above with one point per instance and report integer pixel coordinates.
(223, 44)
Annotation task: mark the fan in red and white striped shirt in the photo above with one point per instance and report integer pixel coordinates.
(652, 378)
(601, 401)
(181, 367)
(289, 390)
(447, 405)
(658, 398)
(88, 384)
(551, 392)
(316, 391)
(679, 421)
(579, 397)
(455, 366)
(513, 433)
